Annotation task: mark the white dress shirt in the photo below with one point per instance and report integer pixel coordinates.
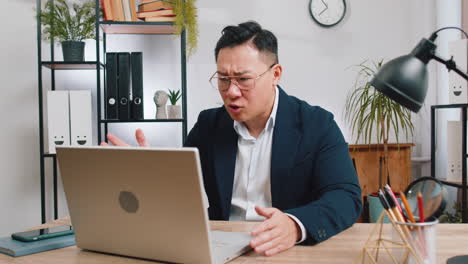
(252, 172)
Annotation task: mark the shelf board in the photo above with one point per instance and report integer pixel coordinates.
(49, 155)
(126, 27)
(143, 121)
(71, 65)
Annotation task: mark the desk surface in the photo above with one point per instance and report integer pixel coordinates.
(342, 248)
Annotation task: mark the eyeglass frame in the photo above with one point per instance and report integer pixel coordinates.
(236, 82)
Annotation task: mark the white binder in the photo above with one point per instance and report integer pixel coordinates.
(454, 151)
(58, 119)
(80, 118)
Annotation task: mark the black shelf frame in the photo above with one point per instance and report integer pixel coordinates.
(137, 28)
(106, 27)
(464, 154)
(42, 154)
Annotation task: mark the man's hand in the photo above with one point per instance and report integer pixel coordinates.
(139, 135)
(277, 233)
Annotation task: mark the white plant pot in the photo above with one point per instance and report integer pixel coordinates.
(174, 111)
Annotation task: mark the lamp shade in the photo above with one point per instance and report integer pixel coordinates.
(404, 80)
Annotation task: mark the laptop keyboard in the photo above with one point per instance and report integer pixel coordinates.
(218, 243)
(228, 239)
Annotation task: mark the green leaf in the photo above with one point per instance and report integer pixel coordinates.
(174, 96)
(186, 19)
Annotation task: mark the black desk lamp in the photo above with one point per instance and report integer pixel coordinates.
(405, 80)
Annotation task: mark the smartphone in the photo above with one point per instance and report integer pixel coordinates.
(44, 233)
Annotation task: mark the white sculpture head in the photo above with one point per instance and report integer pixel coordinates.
(160, 98)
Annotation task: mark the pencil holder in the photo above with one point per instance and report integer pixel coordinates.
(423, 237)
(390, 243)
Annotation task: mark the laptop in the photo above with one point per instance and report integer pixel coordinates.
(143, 202)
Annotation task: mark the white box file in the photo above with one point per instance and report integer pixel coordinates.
(58, 119)
(454, 151)
(80, 118)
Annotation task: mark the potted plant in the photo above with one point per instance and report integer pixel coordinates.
(452, 217)
(373, 115)
(173, 110)
(69, 25)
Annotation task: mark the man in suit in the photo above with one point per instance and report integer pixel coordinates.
(268, 156)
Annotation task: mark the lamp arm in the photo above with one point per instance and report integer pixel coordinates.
(451, 66)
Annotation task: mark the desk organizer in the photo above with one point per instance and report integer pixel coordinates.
(399, 249)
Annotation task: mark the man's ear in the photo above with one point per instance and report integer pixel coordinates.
(277, 72)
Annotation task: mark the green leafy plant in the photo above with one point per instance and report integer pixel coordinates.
(186, 18)
(369, 111)
(63, 23)
(174, 96)
(455, 217)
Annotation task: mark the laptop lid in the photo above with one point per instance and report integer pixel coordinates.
(140, 202)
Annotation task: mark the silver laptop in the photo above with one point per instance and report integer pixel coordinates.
(143, 202)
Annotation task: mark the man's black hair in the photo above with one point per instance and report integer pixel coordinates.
(264, 40)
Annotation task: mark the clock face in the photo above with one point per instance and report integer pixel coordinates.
(327, 13)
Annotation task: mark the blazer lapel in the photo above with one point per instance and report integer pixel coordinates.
(225, 151)
(286, 138)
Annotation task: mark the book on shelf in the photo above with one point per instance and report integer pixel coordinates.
(133, 10)
(119, 10)
(107, 10)
(126, 9)
(157, 13)
(161, 19)
(154, 5)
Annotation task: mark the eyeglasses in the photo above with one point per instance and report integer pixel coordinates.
(244, 83)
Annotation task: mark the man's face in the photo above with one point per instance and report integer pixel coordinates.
(247, 62)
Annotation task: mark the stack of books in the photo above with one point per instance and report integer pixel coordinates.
(148, 10)
(119, 10)
(156, 10)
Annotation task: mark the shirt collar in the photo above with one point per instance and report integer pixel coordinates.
(242, 131)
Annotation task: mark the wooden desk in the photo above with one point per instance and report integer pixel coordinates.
(342, 248)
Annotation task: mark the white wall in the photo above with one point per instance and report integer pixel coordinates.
(19, 163)
(448, 14)
(316, 65)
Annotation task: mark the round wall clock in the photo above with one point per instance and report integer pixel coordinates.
(327, 13)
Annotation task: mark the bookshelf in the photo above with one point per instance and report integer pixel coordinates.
(103, 29)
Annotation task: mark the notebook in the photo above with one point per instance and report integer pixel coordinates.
(17, 248)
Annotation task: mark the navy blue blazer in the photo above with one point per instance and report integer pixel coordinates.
(312, 176)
